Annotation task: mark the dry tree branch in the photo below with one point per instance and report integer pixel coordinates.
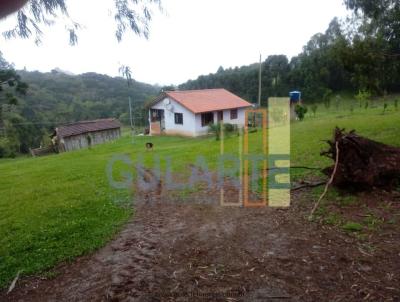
(12, 286)
(328, 183)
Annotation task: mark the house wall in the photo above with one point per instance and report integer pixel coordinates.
(80, 141)
(188, 126)
(191, 122)
(227, 119)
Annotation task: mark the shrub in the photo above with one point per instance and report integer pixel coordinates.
(5, 148)
(362, 96)
(229, 128)
(216, 129)
(300, 111)
(314, 108)
(385, 105)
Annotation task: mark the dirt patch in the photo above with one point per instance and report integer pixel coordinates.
(175, 251)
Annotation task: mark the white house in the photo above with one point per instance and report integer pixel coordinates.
(190, 112)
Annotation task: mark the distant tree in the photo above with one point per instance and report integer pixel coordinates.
(327, 98)
(338, 100)
(357, 54)
(10, 85)
(351, 107)
(12, 137)
(168, 88)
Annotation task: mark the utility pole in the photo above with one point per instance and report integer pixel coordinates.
(125, 71)
(259, 85)
(130, 113)
(131, 118)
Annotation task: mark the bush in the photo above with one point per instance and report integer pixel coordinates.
(362, 96)
(314, 108)
(385, 105)
(300, 111)
(216, 129)
(229, 128)
(5, 148)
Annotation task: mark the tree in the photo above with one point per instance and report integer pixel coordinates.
(10, 83)
(10, 86)
(132, 15)
(379, 38)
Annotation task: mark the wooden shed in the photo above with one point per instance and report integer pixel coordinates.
(85, 134)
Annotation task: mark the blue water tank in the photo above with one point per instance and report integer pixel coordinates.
(295, 96)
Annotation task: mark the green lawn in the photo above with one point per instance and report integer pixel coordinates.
(58, 207)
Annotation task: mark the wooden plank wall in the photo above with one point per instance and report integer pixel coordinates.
(81, 141)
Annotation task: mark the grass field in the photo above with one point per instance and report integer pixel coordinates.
(55, 208)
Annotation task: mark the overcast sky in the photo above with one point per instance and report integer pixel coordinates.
(192, 37)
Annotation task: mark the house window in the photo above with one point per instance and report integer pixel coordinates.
(179, 118)
(234, 114)
(207, 118)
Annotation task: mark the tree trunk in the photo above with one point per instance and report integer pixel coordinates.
(363, 163)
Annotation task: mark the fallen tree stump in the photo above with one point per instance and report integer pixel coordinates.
(362, 163)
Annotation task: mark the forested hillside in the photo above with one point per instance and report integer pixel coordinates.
(27, 117)
(359, 53)
(57, 97)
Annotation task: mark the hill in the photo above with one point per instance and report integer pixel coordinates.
(56, 97)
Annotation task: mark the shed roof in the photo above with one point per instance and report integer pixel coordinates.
(87, 127)
(205, 100)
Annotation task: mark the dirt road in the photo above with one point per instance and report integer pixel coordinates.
(192, 252)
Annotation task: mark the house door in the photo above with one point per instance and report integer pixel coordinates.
(220, 116)
(157, 120)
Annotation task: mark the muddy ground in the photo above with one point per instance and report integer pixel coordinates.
(191, 251)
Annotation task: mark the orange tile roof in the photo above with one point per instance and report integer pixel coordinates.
(206, 100)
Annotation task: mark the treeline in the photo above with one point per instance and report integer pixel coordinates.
(28, 116)
(361, 53)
